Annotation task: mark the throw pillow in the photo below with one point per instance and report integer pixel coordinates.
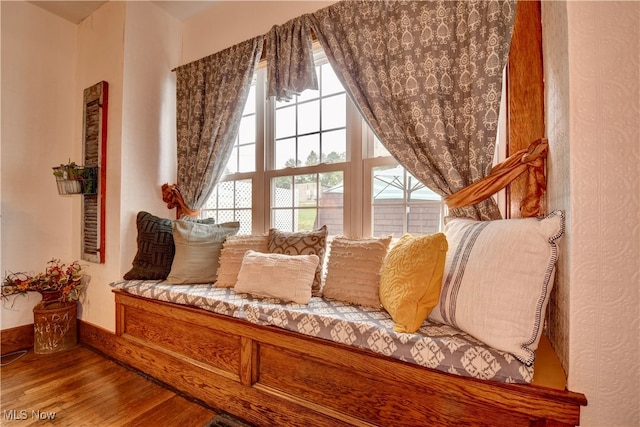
(233, 250)
(285, 277)
(155, 247)
(498, 278)
(301, 243)
(411, 279)
(353, 270)
(198, 250)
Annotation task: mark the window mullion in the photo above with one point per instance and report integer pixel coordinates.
(259, 201)
(355, 210)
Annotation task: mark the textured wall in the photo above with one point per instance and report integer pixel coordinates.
(593, 113)
(556, 78)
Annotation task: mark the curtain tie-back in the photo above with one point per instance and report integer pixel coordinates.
(173, 198)
(529, 160)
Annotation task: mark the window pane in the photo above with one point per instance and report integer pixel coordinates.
(226, 194)
(334, 146)
(244, 216)
(388, 183)
(306, 219)
(424, 219)
(243, 194)
(418, 191)
(282, 191)
(378, 150)
(285, 151)
(402, 204)
(212, 202)
(308, 117)
(286, 121)
(283, 219)
(331, 202)
(231, 201)
(332, 182)
(329, 81)
(309, 150)
(225, 216)
(306, 188)
(232, 164)
(247, 158)
(250, 106)
(388, 219)
(334, 112)
(247, 129)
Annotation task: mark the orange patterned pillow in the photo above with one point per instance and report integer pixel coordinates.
(411, 279)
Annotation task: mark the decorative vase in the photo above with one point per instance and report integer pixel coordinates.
(50, 296)
(54, 326)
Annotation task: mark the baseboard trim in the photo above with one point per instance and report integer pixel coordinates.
(15, 339)
(98, 338)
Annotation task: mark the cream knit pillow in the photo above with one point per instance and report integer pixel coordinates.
(353, 270)
(233, 251)
(285, 277)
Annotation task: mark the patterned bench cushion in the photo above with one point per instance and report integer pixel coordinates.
(434, 345)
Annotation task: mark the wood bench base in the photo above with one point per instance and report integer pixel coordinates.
(270, 376)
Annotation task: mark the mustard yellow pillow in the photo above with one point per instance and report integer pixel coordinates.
(411, 279)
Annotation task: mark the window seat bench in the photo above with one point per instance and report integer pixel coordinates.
(250, 358)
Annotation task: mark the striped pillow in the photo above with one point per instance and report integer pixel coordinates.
(497, 280)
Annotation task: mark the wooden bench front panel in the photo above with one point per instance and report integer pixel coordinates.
(270, 376)
(387, 401)
(215, 348)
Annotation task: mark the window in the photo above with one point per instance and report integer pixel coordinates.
(313, 161)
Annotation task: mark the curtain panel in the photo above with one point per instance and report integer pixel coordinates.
(210, 95)
(290, 66)
(427, 76)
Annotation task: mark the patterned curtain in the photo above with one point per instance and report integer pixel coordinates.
(427, 77)
(210, 94)
(290, 60)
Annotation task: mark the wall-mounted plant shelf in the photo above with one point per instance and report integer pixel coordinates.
(76, 179)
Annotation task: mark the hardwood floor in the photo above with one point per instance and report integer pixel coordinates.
(79, 387)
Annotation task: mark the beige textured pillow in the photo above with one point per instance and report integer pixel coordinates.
(411, 279)
(301, 243)
(285, 277)
(233, 250)
(197, 250)
(498, 278)
(353, 270)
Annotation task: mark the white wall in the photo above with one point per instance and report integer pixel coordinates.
(231, 22)
(153, 47)
(47, 64)
(592, 80)
(38, 110)
(133, 46)
(100, 56)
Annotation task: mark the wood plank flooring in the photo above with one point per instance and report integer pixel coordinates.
(79, 387)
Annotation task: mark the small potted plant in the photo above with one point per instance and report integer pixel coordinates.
(55, 316)
(67, 178)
